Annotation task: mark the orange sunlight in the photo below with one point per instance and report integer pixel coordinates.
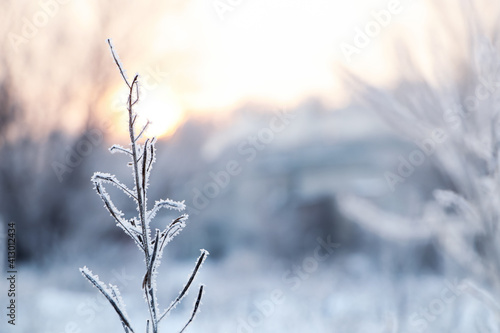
(163, 113)
(274, 52)
(265, 52)
(196, 59)
(159, 107)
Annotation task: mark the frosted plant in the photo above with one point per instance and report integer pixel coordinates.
(463, 218)
(138, 228)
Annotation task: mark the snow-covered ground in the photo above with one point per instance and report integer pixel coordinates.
(245, 295)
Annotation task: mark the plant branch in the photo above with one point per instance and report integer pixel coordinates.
(94, 279)
(138, 227)
(117, 61)
(201, 259)
(195, 308)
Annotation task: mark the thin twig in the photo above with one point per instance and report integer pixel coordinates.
(195, 308)
(115, 57)
(202, 257)
(142, 131)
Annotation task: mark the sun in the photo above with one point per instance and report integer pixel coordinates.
(160, 108)
(163, 113)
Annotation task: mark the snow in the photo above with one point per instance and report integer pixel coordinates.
(327, 300)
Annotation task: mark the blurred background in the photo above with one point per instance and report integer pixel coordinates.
(337, 159)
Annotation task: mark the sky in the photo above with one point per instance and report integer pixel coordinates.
(201, 56)
(277, 52)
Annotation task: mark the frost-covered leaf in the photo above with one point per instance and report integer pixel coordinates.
(109, 178)
(199, 262)
(195, 308)
(118, 297)
(152, 262)
(166, 203)
(129, 229)
(117, 148)
(172, 230)
(152, 154)
(108, 293)
(117, 61)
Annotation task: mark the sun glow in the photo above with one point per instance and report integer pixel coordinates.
(274, 51)
(159, 108)
(163, 113)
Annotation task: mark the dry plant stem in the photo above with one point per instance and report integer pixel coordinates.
(140, 188)
(141, 200)
(139, 229)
